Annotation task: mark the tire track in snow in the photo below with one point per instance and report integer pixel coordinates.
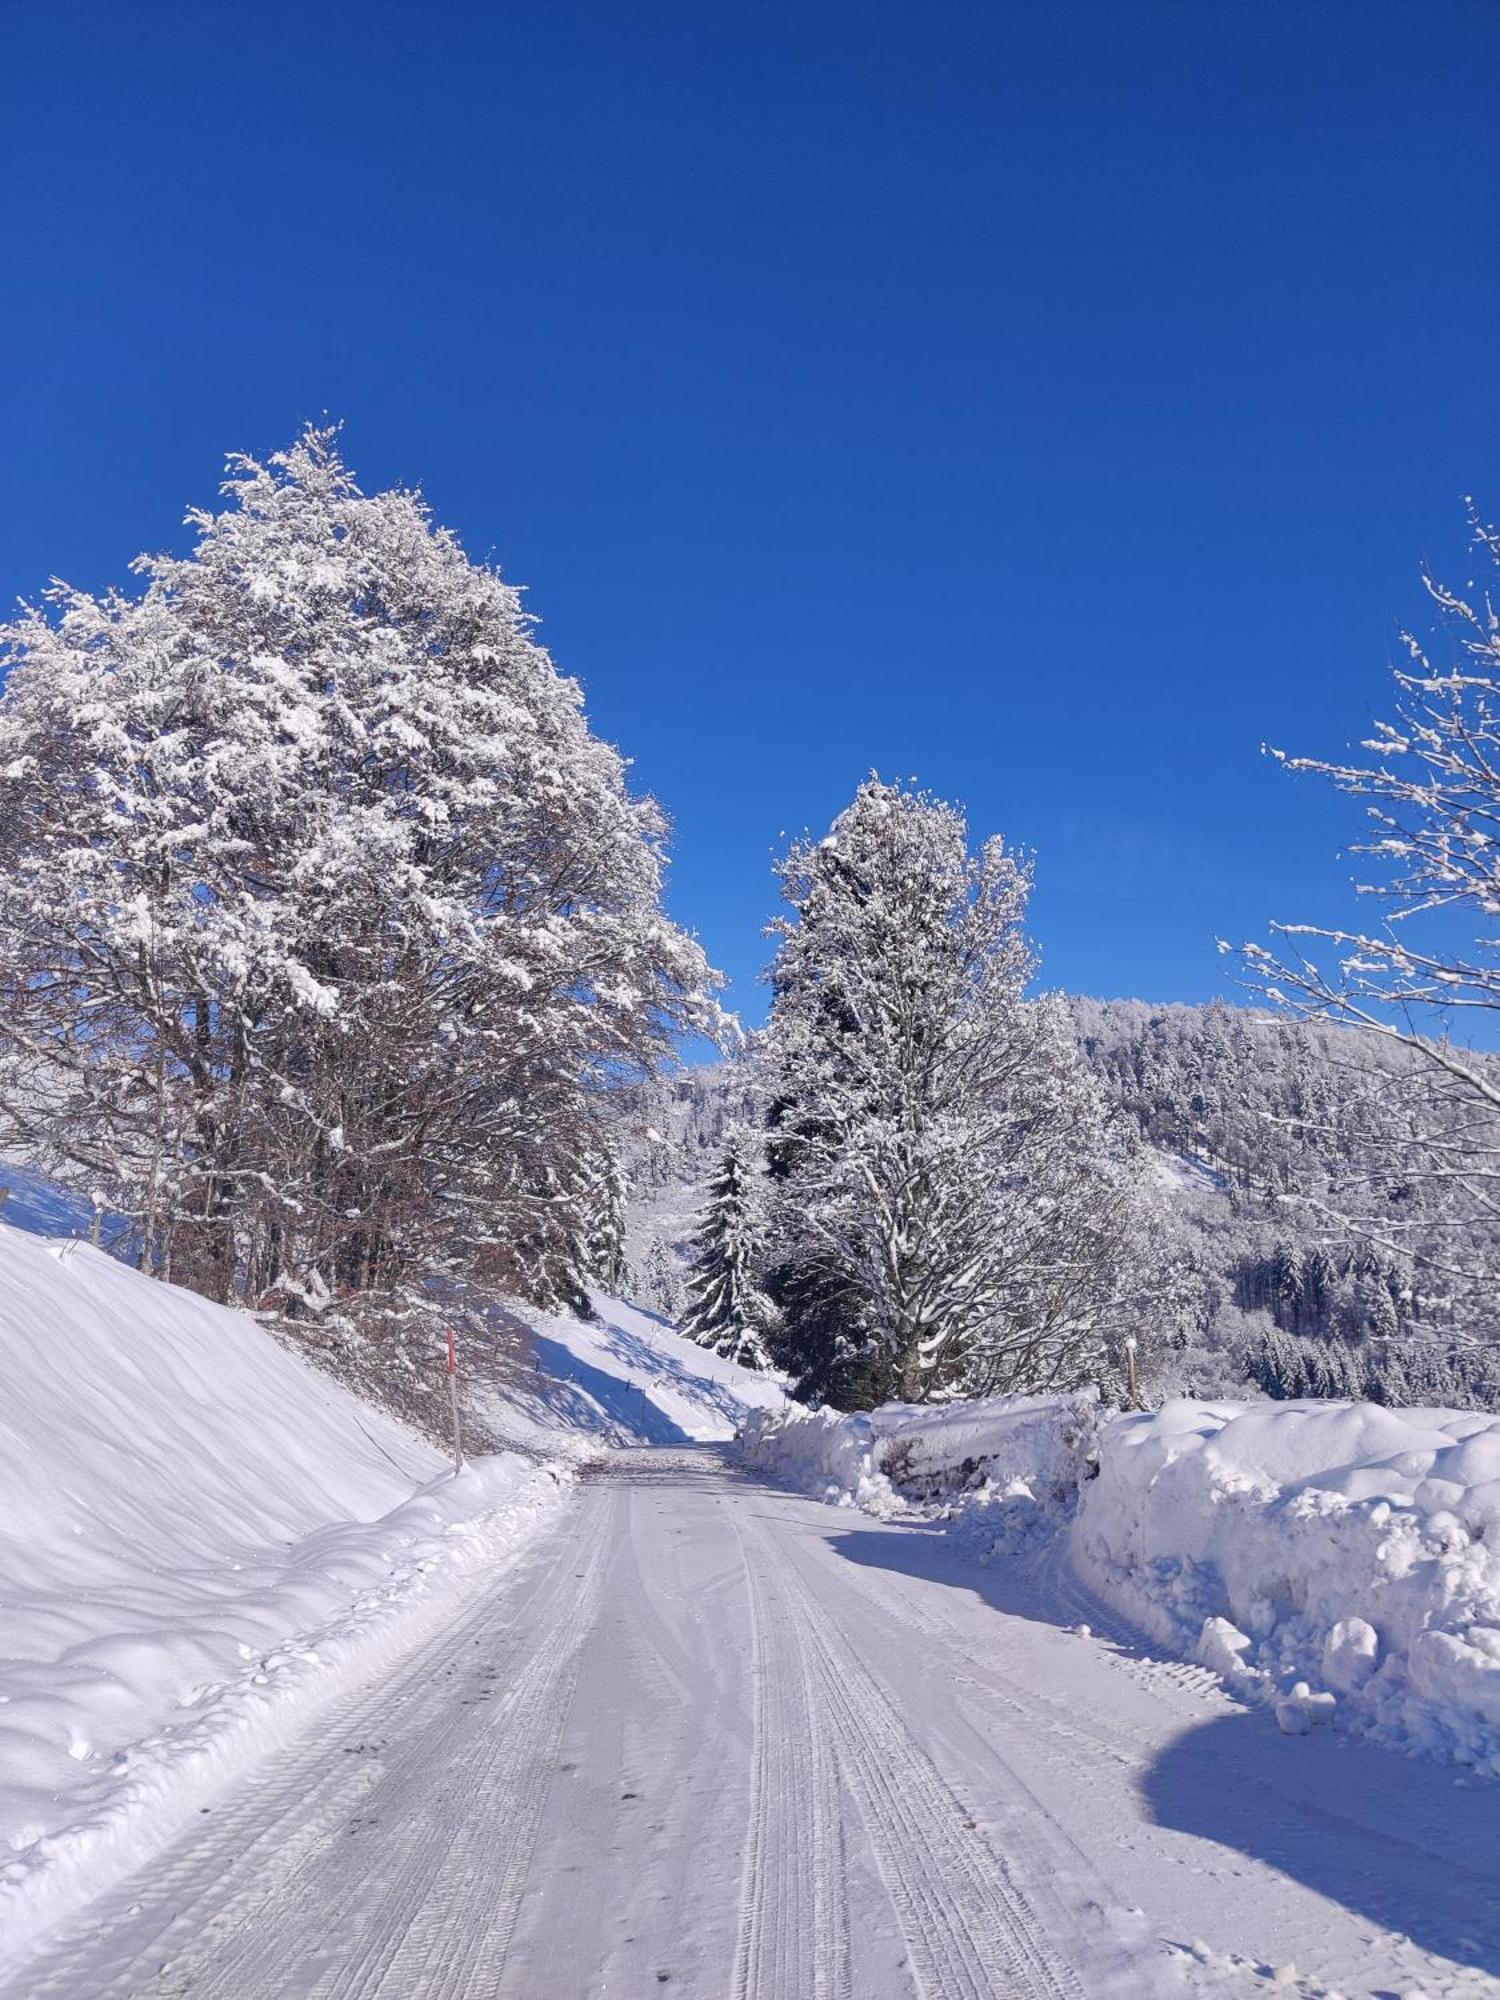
(1103, 1744)
(793, 1931)
(1075, 1739)
(970, 1933)
(444, 1926)
(1193, 1691)
(257, 1910)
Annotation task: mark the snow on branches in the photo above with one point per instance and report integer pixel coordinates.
(1431, 957)
(959, 1217)
(325, 918)
(726, 1310)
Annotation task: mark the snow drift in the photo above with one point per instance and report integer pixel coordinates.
(1331, 1559)
(1314, 1549)
(200, 1537)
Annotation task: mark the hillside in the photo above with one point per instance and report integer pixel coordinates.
(1258, 1134)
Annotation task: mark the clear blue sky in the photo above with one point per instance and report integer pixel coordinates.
(1048, 401)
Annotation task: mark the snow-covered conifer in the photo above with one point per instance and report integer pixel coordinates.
(727, 1311)
(601, 1200)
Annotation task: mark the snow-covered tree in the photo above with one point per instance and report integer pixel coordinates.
(321, 908)
(726, 1310)
(601, 1198)
(657, 1282)
(956, 1214)
(1431, 789)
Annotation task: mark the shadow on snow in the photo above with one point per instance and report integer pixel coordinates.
(1411, 1845)
(1292, 1801)
(625, 1404)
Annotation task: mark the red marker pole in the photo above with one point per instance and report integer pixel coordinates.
(458, 1440)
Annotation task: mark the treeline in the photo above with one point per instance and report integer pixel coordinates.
(1319, 1231)
(1244, 1125)
(1399, 1375)
(327, 927)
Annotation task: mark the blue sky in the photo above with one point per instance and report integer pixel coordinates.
(1052, 402)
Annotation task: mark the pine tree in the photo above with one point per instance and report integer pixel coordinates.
(727, 1311)
(658, 1284)
(599, 1201)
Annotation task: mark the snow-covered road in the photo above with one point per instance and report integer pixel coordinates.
(714, 1740)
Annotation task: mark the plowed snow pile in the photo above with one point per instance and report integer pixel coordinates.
(1020, 1450)
(200, 1539)
(1331, 1559)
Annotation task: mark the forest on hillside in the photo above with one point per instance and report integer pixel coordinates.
(1244, 1126)
(335, 963)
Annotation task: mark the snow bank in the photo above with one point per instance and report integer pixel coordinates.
(201, 1541)
(885, 1460)
(1345, 1549)
(1334, 1560)
(833, 1457)
(630, 1379)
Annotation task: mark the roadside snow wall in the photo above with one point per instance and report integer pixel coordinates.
(1325, 1558)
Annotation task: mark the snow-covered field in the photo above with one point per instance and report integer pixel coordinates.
(201, 1540)
(1335, 1561)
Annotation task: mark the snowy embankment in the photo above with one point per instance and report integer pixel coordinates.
(203, 1542)
(1329, 1559)
(629, 1378)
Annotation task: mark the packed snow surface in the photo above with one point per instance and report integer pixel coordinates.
(715, 1739)
(1335, 1560)
(199, 1537)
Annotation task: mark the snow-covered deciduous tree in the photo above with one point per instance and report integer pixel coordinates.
(1425, 1189)
(322, 910)
(726, 1310)
(957, 1214)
